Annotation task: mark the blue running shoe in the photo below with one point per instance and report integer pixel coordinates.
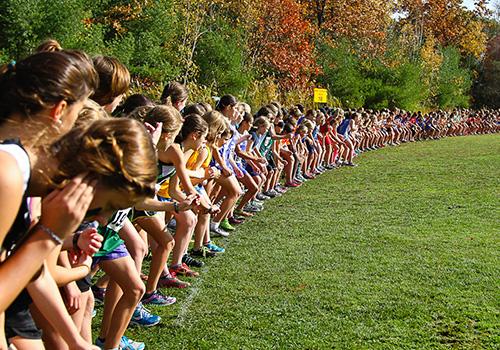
(127, 344)
(143, 317)
(157, 298)
(214, 248)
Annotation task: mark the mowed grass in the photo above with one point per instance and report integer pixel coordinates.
(401, 252)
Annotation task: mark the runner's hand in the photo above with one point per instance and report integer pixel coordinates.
(64, 209)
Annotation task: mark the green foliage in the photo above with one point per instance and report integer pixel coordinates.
(454, 82)
(342, 74)
(207, 45)
(371, 83)
(220, 56)
(24, 24)
(150, 44)
(487, 89)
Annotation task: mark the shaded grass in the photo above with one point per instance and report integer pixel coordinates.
(400, 252)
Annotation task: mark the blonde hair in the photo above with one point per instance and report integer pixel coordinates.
(91, 111)
(216, 125)
(119, 152)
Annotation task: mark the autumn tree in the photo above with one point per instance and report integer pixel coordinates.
(282, 43)
(448, 21)
(363, 22)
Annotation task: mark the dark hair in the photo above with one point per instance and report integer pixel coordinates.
(226, 101)
(192, 123)
(173, 92)
(132, 102)
(114, 79)
(295, 112)
(287, 128)
(264, 112)
(247, 117)
(194, 108)
(44, 79)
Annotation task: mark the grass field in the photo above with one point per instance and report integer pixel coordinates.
(401, 252)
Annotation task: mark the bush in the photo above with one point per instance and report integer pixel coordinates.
(220, 56)
(454, 82)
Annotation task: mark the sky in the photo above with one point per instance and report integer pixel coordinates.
(470, 3)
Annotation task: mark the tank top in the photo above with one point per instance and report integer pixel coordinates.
(166, 171)
(110, 232)
(19, 230)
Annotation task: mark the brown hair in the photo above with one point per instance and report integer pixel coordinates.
(208, 107)
(192, 123)
(119, 152)
(173, 92)
(90, 112)
(168, 115)
(50, 45)
(216, 125)
(44, 79)
(114, 79)
(260, 121)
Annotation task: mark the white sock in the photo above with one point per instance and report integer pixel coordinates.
(214, 224)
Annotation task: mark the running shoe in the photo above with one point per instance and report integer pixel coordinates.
(217, 231)
(182, 270)
(125, 343)
(234, 221)
(257, 204)
(226, 226)
(214, 248)
(271, 193)
(143, 317)
(172, 282)
(281, 189)
(243, 213)
(128, 344)
(157, 298)
(262, 197)
(251, 208)
(203, 252)
(99, 294)
(189, 261)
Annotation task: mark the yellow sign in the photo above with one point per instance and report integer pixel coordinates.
(320, 95)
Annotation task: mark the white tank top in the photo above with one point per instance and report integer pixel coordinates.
(21, 158)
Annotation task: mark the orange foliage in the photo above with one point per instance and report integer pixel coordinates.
(448, 21)
(283, 42)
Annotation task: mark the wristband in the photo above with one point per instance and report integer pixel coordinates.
(176, 207)
(50, 233)
(76, 236)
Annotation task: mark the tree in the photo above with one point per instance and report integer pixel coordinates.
(282, 43)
